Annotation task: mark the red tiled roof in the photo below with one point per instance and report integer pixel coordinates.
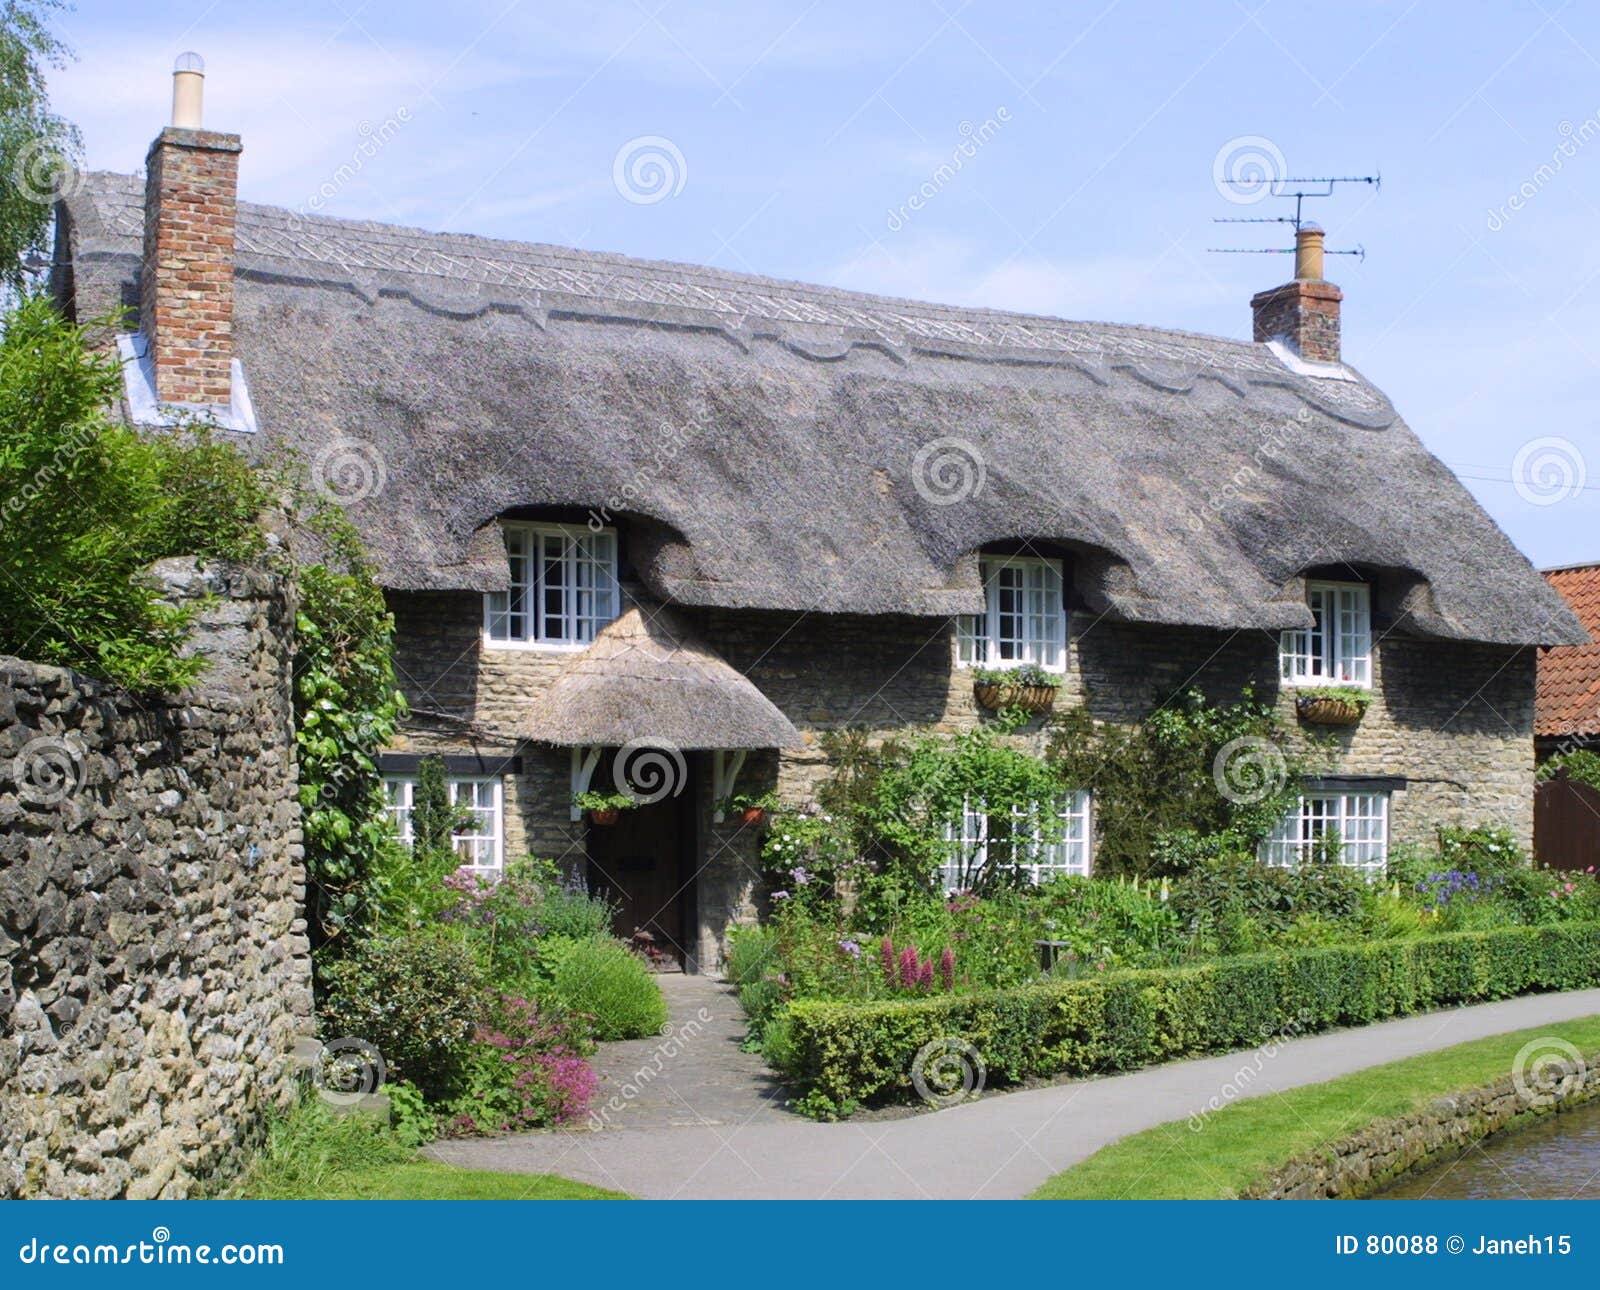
(1569, 675)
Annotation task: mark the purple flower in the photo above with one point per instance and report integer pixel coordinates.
(780, 895)
(800, 876)
(850, 948)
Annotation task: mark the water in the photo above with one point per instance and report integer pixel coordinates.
(1558, 1158)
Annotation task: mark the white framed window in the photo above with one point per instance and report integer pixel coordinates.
(1016, 841)
(1361, 821)
(1025, 620)
(1337, 648)
(479, 846)
(563, 587)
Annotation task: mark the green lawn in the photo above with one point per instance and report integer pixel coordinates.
(312, 1154)
(428, 1180)
(1244, 1141)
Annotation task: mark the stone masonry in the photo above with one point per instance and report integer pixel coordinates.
(156, 972)
(1380, 1154)
(1453, 720)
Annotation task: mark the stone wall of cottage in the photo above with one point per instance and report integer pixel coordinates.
(156, 973)
(1454, 720)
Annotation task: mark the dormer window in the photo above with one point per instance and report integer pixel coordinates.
(1337, 648)
(563, 587)
(1025, 620)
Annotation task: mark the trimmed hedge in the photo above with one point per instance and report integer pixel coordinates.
(842, 1054)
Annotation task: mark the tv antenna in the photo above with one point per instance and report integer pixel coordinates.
(1299, 188)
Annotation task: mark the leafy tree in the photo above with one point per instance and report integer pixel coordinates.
(38, 149)
(87, 504)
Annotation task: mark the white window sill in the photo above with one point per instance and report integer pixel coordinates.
(1011, 665)
(1319, 683)
(535, 647)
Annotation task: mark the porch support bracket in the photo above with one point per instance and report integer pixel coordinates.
(584, 760)
(725, 767)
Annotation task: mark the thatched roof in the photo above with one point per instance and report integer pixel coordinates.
(774, 444)
(646, 679)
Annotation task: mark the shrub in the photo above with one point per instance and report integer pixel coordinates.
(612, 985)
(841, 1054)
(752, 952)
(512, 925)
(1217, 894)
(418, 998)
(525, 1070)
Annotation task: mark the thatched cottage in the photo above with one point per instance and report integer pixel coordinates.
(640, 518)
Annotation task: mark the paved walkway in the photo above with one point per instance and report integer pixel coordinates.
(709, 1126)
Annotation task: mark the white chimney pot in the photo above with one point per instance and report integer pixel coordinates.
(188, 83)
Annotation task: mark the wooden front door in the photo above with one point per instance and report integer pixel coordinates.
(640, 864)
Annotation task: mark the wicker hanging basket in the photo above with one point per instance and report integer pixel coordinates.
(1319, 710)
(1030, 698)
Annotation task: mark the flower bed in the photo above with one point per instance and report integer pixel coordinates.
(843, 1054)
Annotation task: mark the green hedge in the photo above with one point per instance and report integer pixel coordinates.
(843, 1054)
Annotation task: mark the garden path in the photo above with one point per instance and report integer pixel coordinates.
(727, 1137)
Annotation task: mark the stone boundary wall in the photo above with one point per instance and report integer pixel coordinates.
(154, 966)
(1386, 1151)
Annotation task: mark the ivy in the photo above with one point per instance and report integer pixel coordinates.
(1157, 801)
(347, 706)
(892, 817)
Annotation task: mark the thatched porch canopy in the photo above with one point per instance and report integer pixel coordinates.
(646, 679)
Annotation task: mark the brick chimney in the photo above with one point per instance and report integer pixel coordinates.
(186, 282)
(1303, 314)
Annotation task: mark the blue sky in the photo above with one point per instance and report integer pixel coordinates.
(793, 133)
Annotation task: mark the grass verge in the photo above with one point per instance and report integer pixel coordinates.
(311, 1154)
(1245, 1141)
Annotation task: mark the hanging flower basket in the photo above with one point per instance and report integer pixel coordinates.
(605, 816)
(1030, 688)
(1329, 709)
(753, 814)
(1031, 698)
